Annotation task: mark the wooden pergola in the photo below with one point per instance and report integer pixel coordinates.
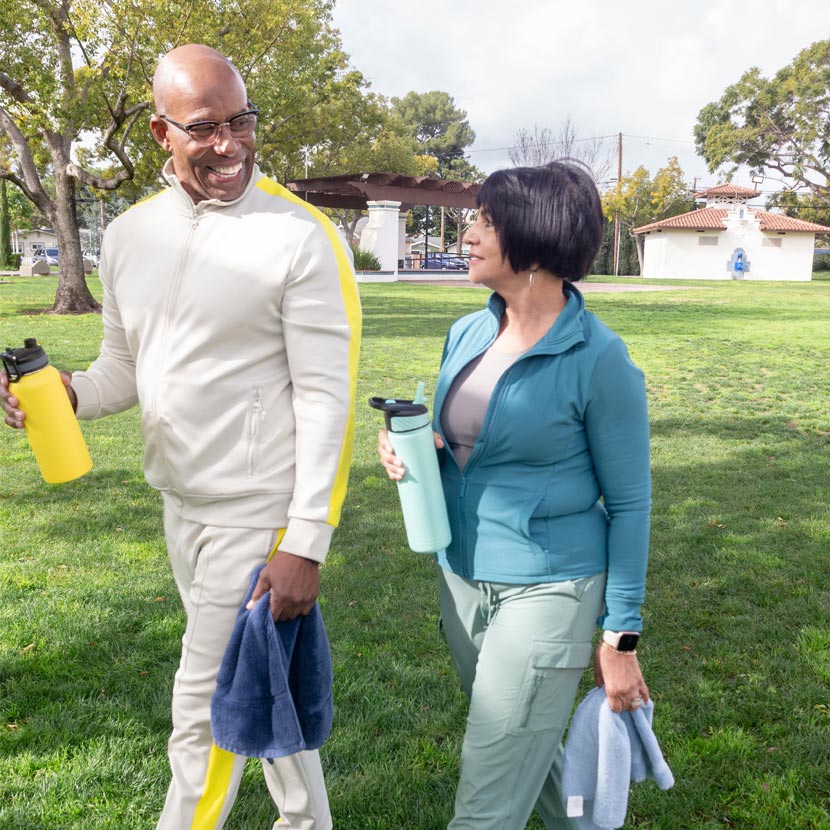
(354, 190)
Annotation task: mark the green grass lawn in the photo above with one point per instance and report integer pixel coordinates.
(737, 635)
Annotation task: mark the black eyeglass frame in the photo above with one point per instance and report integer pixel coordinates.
(216, 125)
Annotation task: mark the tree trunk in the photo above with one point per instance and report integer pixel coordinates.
(5, 228)
(73, 295)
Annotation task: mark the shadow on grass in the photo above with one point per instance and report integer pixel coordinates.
(739, 572)
(738, 580)
(100, 502)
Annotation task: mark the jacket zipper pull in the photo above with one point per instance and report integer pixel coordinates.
(258, 416)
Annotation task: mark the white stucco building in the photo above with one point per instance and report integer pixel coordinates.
(726, 239)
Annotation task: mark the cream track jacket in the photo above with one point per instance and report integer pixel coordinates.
(236, 328)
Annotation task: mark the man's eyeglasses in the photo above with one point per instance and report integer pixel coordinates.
(206, 133)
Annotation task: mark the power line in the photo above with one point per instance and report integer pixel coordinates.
(516, 146)
(655, 138)
(625, 136)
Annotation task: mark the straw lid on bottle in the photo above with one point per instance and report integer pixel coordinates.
(403, 415)
(23, 361)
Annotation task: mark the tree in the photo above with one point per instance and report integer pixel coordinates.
(5, 228)
(778, 127)
(447, 224)
(542, 146)
(807, 206)
(639, 199)
(439, 127)
(376, 143)
(458, 219)
(75, 85)
(625, 250)
(373, 140)
(97, 208)
(442, 132)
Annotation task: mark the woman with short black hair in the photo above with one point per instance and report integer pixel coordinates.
(546, 218)
(542, 429)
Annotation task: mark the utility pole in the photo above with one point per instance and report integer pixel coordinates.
(426, 236)
(443, 220)
(617, 215)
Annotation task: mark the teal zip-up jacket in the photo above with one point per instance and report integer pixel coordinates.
(558, 485)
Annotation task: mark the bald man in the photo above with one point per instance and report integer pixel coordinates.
(231, 317)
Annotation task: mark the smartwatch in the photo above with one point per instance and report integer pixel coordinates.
(621, 640)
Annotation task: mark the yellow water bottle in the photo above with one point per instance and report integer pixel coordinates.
(51, 425)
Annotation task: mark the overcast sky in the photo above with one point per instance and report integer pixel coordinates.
(643, 68)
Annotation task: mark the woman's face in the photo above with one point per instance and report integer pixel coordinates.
(487, 265)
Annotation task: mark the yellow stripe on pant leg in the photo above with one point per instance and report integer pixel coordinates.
(217, 782)
(220, 769)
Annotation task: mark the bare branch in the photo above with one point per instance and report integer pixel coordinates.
(30, 184)
(121, 116)
(20, 183)
(100, 182)
(541, 147)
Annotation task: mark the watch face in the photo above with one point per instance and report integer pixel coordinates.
(628, 642)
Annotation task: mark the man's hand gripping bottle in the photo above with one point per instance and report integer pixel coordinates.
(51, 425)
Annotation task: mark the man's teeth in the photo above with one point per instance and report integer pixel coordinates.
(228, 171)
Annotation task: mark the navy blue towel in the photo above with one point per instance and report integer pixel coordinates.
(274, 689)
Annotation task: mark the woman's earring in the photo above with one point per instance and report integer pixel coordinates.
(530, 279)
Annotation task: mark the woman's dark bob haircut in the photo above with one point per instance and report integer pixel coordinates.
(546, 217)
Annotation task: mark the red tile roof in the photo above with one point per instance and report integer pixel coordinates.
(712, 219)
(733, 190)
(780, 222)
(705, 219)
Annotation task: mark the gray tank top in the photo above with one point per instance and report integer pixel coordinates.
(466, 404)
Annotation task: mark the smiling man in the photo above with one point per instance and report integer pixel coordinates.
(201, 90)
(231, 316)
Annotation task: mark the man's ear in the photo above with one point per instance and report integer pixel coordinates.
(160, 128)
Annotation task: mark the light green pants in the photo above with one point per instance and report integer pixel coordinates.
(520, 651)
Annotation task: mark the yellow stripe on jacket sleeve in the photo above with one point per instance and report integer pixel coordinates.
(351, 302)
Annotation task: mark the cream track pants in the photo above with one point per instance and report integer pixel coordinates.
(212, 567)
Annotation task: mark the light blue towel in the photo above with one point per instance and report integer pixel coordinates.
(604, 752)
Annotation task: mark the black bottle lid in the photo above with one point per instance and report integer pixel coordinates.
(401, 415)
(30, 358)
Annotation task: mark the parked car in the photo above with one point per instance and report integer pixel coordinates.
(445, 262)
(92, 256)
(47, 255)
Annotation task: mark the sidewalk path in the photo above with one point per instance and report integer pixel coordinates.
(584, 287)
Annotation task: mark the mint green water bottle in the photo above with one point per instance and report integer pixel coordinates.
(420, 490)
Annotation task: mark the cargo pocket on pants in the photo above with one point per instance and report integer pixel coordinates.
(550, 682)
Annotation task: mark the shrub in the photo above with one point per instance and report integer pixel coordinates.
(11, 263)
(822, 262)
(365, 260)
